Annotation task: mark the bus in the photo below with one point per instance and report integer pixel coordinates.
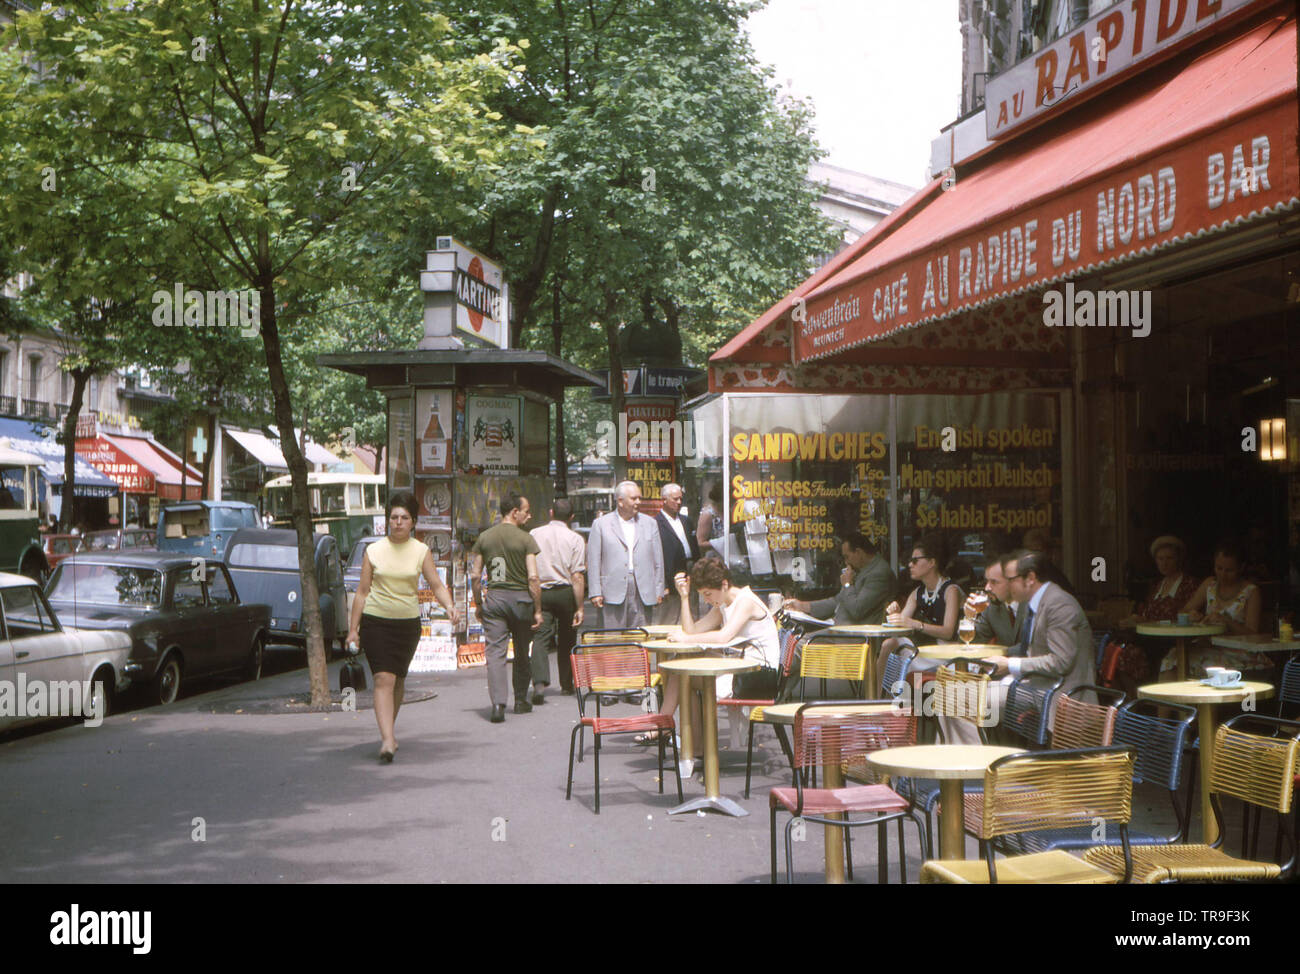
(345, 505)
(590, 503)
(20, 540)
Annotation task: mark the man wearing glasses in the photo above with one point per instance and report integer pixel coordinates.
(1001, 618)
(865, 585)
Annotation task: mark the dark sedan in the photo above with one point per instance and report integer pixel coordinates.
(182, 612)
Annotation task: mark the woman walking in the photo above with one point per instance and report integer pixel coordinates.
(386, 614)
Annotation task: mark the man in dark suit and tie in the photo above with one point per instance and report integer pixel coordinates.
(680, 550)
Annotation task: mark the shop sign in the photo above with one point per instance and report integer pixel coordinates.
(112, 462)
(1222, 176)
(493, 434)
(478, 288)
(1107, 48)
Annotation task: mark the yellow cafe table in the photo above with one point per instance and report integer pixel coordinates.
(707, 670)
(960, 650)
(951, 764)
(685, 732)
(1206, 699)
(1180, 635)
(661, 631)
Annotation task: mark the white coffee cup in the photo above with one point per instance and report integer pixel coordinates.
(1222, 676)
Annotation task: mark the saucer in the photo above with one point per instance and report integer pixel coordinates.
(1223, 686)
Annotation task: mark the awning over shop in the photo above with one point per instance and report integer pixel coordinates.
(267, 452)
(1203, 143)
(39, 440)
(105, 457)
(162, 463)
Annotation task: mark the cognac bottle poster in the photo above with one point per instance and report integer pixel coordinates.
(433, 424)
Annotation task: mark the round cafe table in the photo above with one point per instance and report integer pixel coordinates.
(1256, 644)
(832, 774)
(951, 764)
(1206, 699)
(1180, 634)
(960, 650)
(661, 631)
(875, 633)
(707, 670)
(667, 647)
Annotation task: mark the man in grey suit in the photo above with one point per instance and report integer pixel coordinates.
(625, 562)
(1055, 639)
(866, 584)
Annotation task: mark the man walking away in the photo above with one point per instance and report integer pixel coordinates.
(561, 560)
(510, 556)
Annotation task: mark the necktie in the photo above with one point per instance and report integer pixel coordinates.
(1029, 630)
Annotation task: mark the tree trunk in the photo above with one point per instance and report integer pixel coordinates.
(561, 454)
(80, 378)
(316, 665)
(616, 398)
(523, 293)
(208, 453)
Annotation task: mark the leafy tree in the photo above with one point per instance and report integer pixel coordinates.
(273, 147)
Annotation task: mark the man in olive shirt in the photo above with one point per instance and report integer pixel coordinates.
(867, 583)
(513, 605)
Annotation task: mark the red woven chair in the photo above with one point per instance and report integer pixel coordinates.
(789, 644)
(601, 670)
(827, 736)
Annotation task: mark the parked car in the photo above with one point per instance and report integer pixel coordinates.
(119, 539)
(38, 648)
(59, 546)
(183, 614)
(264, 564)
(203, 527)
(352, 571)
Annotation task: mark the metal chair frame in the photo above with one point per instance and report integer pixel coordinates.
(584, 686)
(879, 820)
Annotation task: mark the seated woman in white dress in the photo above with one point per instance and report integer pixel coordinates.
(1230, 600)
(735, 614)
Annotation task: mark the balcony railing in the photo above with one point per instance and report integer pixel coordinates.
(35, 409)
(8, 406)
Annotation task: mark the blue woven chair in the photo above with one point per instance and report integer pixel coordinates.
(1025, 714)
(896, 669)
(1289, 690)
(1159, 733)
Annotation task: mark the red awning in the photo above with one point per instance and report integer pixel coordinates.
(131, 476)
(1206, 141)
(165, 466)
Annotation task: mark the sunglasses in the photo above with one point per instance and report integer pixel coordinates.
(913, 561)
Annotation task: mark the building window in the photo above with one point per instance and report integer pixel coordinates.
(33, 377)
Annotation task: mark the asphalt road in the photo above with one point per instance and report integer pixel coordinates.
(301, 798)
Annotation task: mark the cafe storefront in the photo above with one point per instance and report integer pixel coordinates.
(1087, 328)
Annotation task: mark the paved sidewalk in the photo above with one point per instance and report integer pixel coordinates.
(301, 798)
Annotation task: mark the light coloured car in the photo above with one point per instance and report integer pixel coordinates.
(41, 659)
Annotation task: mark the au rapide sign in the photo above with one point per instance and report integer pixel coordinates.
(1117, 42)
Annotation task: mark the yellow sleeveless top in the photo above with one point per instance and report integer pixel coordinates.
(395, 574)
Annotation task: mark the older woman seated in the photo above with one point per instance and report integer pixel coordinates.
(1139, 660)
(1230, 600)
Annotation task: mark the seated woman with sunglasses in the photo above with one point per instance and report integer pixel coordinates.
(933, 608)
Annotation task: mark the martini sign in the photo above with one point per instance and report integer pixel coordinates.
(481, 296)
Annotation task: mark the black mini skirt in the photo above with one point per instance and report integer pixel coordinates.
(389, 644)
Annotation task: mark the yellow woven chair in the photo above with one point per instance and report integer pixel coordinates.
(961, 691)
(1046, 790)
(1256, 769)
(1075, 724)
(822, 656)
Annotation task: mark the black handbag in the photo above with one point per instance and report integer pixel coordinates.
(351, 673)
